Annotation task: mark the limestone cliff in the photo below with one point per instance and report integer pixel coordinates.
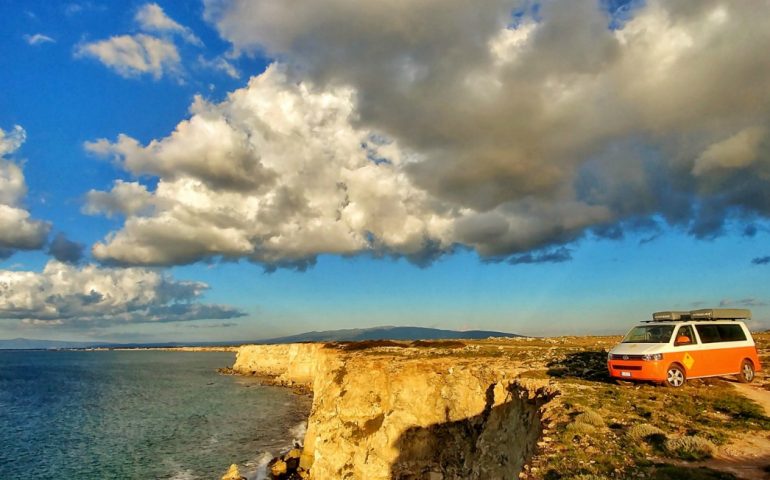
(286, 364)
(408, 413)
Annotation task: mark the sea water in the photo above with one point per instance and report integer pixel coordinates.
(137, 415)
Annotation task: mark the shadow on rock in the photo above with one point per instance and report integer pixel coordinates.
(494, 444)
(587, 365)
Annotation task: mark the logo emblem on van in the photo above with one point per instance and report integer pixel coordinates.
(688, 361)
(625, 357)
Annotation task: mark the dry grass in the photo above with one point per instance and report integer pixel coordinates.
(690, 448)
(591, 417)
(609, 431)
(640, 422)
(438, 344)
(580, 428)
(365, 345)
(643, 431)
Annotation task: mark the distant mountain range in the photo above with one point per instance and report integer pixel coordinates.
(386, 333)
(353, 334)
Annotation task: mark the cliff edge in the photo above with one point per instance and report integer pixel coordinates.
(506, 409)
(404, 412)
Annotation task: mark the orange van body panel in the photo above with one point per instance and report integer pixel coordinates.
(701, 363)
(638, 370)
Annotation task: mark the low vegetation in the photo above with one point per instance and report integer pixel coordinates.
(645, 432)
(438, 344)
(607, 430)
(612, 431)
(365, 345)
(689, 448)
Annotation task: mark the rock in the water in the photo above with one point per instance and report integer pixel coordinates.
(233, 474)
(292, 464)
(286, 466)
(294, 453)
(278, 468)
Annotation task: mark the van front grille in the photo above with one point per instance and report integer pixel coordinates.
(627, 357)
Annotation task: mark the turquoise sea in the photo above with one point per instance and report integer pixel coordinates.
(137, 415)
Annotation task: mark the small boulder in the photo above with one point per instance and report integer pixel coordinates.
(294, 453)
(233, 474)
(279, 468)
(292, 464)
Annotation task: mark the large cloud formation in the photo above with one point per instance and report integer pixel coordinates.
(17, 230)
(412, 127)
(63, 295)
(277, 173)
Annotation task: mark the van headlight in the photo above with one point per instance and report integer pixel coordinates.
(652, 357)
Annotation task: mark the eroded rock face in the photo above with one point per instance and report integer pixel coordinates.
(287, 364)
(402, 414)
(400, 417)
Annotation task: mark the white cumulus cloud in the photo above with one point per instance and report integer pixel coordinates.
(276, 173)
(523, 110)
(411, 127)
(151, 18)
(125, 198)
(738, 151)
(17, 230)
(219, 64)
(64, 295)
(133, 55)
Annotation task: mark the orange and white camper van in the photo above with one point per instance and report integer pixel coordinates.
(675, 346)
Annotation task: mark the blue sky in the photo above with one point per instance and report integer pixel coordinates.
(244, 172)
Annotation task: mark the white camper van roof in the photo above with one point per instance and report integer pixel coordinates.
(703, 314)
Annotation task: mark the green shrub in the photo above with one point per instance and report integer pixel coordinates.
(580, 428)
(690, 448)
(643, 431)
(590, 417)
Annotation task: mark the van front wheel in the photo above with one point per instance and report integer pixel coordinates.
(746, 374)
(675, 376)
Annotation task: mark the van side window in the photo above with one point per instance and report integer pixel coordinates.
(731, 333)
(720, 333)
(686, 331)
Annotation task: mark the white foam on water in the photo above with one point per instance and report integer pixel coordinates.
(298, 432)
(257, 469)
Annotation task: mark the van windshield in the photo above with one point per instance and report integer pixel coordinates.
(650, 334)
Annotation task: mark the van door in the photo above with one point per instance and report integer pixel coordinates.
(686, 351)
(724, 346)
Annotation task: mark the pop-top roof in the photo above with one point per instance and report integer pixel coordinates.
(670, 316)
(703, 314)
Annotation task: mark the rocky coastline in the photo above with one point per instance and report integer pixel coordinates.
(378, 408)
(533, 409)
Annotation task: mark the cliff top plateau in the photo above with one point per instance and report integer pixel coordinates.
(509, 408)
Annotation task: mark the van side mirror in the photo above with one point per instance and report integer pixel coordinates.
(682, 340)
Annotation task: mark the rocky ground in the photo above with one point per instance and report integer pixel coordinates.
(709, 429)
(597, 429)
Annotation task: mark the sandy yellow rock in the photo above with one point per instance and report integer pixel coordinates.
(294, 453)
(233, 473)
(394, 412)
(278, 468)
